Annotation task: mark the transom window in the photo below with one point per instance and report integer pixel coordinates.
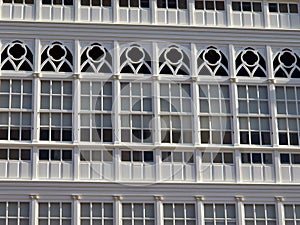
(209, 5)
(14, 213)
(19, 1)
(96, 155)
(287, 64)
(138, 213)
(134, 3)
(179, 213)
(96, 213)
(219, 214)
(257, 158)
(215, 114)
(172, 4)
(253, 113)
(16, 110)
(96, 3)
(289, 158)
(283, 7)
(263, 214)
(55, 155)
(59, 213)
(177, 157)
(57, 2)
(217, 157)
(56, 110)
(15, 154)
(247, 6)
(95, 114)
(288, 111)
(137, 156)
(136, 112)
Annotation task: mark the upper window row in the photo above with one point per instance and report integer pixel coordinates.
(135, 59)
(219, 5)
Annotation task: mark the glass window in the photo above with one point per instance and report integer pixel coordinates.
(96, 213)
(59, 213)
(179, 213)
(260, 214)
(138, 213)
(14, 213)
(219, 214)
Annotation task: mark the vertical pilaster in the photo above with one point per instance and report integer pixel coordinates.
(159, 213)
(38, 9)
(76, 10)
(265, 8)
(191, 11)
(35, 160)
(116, 95)
(228, 9)
(277, 167)
(118, 209)
(76, 209)
(157, 166)
(117, 160)
(76, 163)
(279, 210)
(198, 165)
(195, 94)
(240, 210)
(34, 209)
(234, 103)
(238, 166)
(156, 94)
(199, 210)
(153, 7)
(115, 8)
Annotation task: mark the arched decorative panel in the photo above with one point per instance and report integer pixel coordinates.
(250, 63)
(16, 56)
(135, 60)
(174, 61)
(56, 58)
(286, 64)
(96, 59)
(212, 62)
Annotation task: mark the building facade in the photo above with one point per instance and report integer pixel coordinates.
(143, 112)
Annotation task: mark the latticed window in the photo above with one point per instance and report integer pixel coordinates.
(16, 110)
(288, 111)
(136, 112)
(56, 110)
(287, 64)
(254, 115)
(264, 214)
(217, 213)
(179, 213)
(245, 6)
(96, 3)
(59, 213)
(138, 213)
(95, 112)
(176, 113)
(96, 213)
(14, 213)
(57, 2)
(292, 214)
(215, 114)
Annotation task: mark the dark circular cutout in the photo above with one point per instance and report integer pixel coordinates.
(212, 57)
(288, 59)
(96, 53)
(174, 55)
(250, 58)
(135, 54)
(17, 51)
(57, 52)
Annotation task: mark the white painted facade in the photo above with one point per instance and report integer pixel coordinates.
(149, 112)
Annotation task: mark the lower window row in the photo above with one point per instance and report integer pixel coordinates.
(94, 213)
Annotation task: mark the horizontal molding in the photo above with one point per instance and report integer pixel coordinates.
(123, 32)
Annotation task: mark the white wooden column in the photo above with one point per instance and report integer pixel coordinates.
(198, 165)
(191, 11)
(279, 210)
(238, 166)
(76, 163)
(228, 8)
(116, 162)
(156, 95)
(272, 98)
(199, 210)
(35, 161)
(234, 96)
(115, 10)
(118, 209)
(240, 215)
(277, 167)
(159, 210)
(153, 8)
(116, 95)
(265, 8)
(34, 209)
(77, 10)
(195, 96)
(157, 155)
(76, 209)
(38, 10)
